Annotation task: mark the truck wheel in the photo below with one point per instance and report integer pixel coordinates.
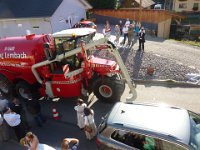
(6, 86)
(108, 89)
(23, 90)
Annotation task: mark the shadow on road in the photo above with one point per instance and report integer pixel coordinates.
(137, 63)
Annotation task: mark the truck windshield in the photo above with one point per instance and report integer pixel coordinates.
(63, 44)
(194, 131)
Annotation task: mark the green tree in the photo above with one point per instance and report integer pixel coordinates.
(103, 4)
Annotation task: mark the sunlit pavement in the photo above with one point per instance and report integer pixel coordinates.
(54, 131)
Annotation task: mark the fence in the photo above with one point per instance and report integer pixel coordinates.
(147, 15)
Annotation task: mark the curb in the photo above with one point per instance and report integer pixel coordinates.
(167, 82)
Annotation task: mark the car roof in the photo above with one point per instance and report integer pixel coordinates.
(86, 22)
(165, 120)
(74, 31)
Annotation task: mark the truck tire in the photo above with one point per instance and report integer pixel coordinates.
(6, 87)
(108, 89)
(24, 90)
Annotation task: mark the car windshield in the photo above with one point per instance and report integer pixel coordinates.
(194, 131)
(91, 24)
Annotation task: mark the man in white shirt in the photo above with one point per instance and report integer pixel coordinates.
(125, 32)
(127, 23)
(14, 121)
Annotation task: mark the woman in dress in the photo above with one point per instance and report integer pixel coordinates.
(90, 123)
(117, 34)
(80, 113)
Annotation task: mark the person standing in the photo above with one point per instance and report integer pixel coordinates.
(117, 33)
(125, 32)
(121, 27)
(137, 28)
(17, 107)
(34, 108)
(141, 38)
(80, 113)
(127, 22)
(14, 121)
(107, 30)
(89, 123)
(4, 128)
(130, 34)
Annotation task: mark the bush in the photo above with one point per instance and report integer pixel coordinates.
(102, 4)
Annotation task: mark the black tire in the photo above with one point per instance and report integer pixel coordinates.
(115, 89)
(6, 87)
(25, 91)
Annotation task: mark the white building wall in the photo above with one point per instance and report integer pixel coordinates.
(18, 27)
(186, 5)
(68, 9)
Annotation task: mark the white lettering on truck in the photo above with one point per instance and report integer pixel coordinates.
(15, 55)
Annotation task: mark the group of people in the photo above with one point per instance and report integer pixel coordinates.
(85, 119)
(13, 117)
(127, 30)
(31, 142)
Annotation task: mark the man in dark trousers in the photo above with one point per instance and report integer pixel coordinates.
(17, 107)
(141, 38)
(34, 108)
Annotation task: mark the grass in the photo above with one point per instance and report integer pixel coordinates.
(193, 43)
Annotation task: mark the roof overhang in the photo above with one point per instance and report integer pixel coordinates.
(46, 18)
(85, 4)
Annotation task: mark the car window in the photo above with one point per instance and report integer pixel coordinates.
(82, 25)
(194, 130)
(166, 145)
(128, 138)
(91, 24)
(144, 142)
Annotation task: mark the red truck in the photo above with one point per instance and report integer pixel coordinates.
(61, 65)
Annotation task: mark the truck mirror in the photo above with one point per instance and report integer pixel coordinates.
(46, 45)
(47, 51)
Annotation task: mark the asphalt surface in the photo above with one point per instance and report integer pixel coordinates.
(169, 58)
(54, 131)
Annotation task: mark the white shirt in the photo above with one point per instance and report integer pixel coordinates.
(1, 120)
(127, 23)
(45, 147)
(12, 119)
(80, 108)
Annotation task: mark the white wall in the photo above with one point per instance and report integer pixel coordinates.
(18, 27)
(188, 4)
(164, 28)
(68, 8)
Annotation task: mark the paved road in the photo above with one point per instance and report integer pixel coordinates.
(184, 54)
(54, 131)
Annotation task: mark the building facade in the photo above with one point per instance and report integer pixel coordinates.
(39, 16)
(183, 5)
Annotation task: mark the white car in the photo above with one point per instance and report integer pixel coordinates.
(142, 126)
